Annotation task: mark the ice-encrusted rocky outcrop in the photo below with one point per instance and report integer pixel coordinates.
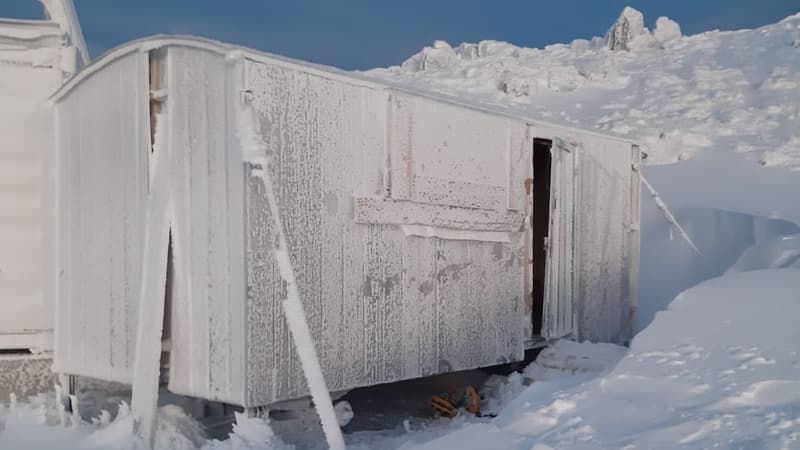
(439, 56)
(628, 32)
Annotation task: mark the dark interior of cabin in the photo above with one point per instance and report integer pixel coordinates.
(540, 226)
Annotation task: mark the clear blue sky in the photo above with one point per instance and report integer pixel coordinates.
(359, 34)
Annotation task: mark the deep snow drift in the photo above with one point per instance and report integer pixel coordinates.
(720, 368)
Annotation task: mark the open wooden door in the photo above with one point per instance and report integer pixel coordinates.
(560, 286)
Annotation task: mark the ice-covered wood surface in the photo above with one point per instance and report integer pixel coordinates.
(560, 309)
(207, 301)
(382, 306)
(103, 148)
(444, 154)
(605, 235)
(381, 210)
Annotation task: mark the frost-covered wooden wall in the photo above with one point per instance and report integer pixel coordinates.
(382, 305)
(207, 183)
(105, 159)
(103, 148)
(404, 217)
(606, 233)
(607, 220)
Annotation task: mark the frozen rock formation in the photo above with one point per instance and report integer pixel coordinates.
(440, 56)
(628, 29)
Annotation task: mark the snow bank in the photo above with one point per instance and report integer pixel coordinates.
(37, 425)
(775, 252)
(175, 430)
(718, 369)
(249, 434)
(571, 358)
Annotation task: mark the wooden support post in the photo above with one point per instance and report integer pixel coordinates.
(149, 330)
(65, 390)
(144, 402)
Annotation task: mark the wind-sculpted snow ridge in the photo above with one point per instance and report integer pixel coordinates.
(736, 91)
(719, 369)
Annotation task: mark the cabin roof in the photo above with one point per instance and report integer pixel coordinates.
(233, 52)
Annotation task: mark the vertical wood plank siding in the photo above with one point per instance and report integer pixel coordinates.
(382, 305)
(103, 184)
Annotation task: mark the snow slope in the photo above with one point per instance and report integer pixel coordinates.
(720, 368)
(679, 95)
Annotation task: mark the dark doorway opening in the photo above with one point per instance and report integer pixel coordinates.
(540, 227)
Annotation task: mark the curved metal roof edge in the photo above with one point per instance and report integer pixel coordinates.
(232, 51)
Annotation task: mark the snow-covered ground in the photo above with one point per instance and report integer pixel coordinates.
(719, 367)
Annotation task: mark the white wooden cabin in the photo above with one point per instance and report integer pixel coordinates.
(409, 222)
(36, 56)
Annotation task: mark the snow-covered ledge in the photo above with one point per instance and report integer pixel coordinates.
(451, 234)
(379, 210)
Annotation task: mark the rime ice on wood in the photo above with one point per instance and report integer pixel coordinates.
(404, 219)
(254, 153)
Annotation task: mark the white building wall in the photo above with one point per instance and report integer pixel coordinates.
(102, 155)
(29, 73)
(207, 181)
(357, 167)
(382, 305)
